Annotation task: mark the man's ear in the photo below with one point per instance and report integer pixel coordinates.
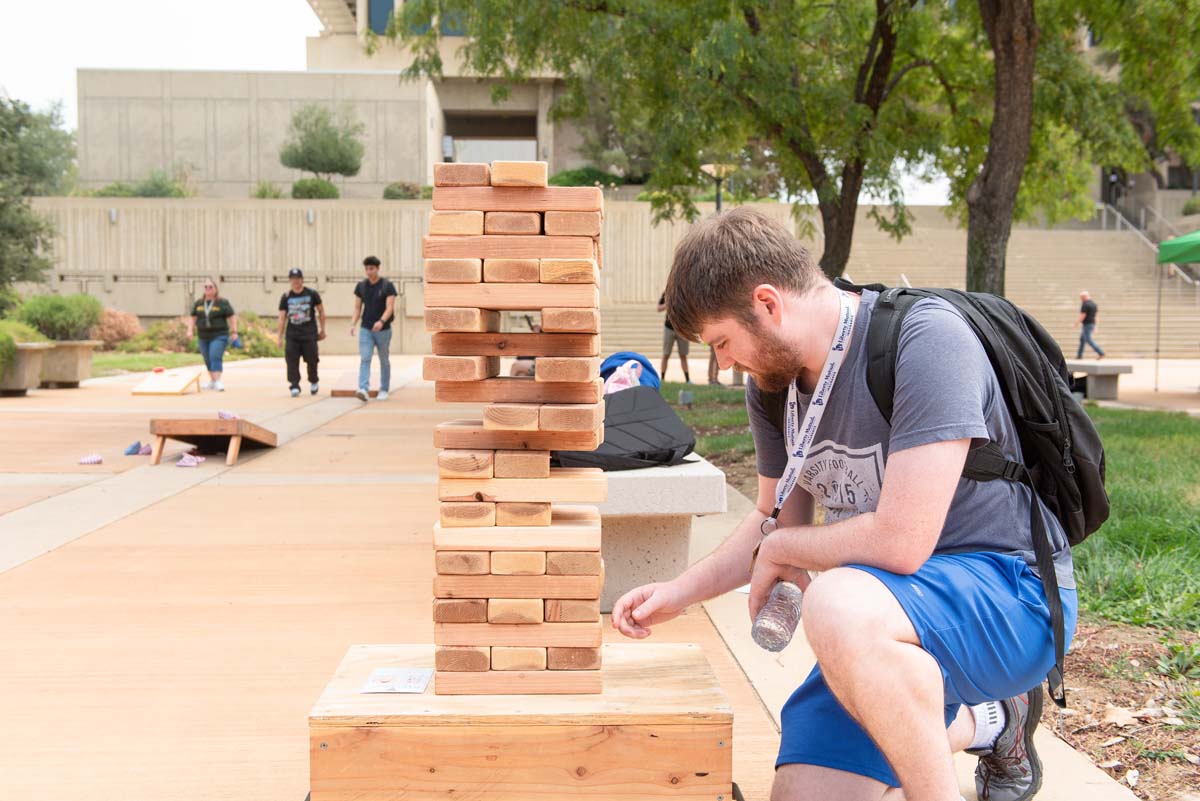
(768, 302)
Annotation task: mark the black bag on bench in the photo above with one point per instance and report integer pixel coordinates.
(640, 430)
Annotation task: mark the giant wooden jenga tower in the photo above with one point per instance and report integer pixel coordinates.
(517, 592)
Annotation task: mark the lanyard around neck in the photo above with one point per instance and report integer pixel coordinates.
(799, 438)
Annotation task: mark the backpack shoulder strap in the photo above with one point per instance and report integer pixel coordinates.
(883, 345)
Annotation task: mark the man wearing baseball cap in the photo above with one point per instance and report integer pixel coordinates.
(302, 315)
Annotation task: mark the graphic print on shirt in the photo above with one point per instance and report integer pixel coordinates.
(299, 309)
(846, 481)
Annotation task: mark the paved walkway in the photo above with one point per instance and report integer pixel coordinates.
(167, 630)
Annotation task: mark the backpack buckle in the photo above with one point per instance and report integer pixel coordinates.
(1014, 471)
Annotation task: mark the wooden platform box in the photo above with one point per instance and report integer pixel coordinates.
(661, 729)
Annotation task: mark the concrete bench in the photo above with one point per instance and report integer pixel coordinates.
(1102, 377)
(646, 524)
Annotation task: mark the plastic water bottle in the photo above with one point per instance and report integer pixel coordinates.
(777, 620)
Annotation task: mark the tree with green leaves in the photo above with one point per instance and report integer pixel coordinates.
(324, 143)
(36, 158)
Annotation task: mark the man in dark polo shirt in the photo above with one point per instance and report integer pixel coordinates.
(375, 304)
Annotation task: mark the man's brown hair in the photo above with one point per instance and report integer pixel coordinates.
(721, 260)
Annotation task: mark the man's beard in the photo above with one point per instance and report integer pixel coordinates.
(781, 362)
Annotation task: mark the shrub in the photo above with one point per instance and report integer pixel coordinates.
(157, 184)
(12, 332)
(62, 317)
(265, 190)
(401, 190)
(324, 143)
(1192, 206)
(314, 189)
(8, 349)
(585, 176)
(116, 327)
(258, 339)
(427, 192)
(165, 336)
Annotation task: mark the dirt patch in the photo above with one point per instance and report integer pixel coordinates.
(741, 472)
(1140, 726)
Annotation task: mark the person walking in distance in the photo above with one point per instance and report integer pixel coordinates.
(671, 340)
(1087, 319)
(375, 304)
(302, 319)
(216, 323)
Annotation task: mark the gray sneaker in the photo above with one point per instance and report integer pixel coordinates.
(1011, 770)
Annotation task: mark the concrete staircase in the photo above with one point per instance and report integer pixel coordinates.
(1046, 271)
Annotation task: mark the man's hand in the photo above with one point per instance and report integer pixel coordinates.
(646, 606)
(768, 569)
(353, 329)
(378, 326)
(320, 336)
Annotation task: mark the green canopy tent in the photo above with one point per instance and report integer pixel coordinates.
(1180, 250)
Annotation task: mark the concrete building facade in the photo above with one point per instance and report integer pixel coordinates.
(223, 130)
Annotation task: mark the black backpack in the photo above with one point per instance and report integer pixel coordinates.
(640, 430)
(1064, 459)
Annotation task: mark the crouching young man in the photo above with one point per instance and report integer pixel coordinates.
(927, 618)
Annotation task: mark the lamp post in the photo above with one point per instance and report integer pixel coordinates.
(719, 172)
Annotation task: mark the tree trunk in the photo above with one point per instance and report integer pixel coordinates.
(1013, 33)
(837, 219)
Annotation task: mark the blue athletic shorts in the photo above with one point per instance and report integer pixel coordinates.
(982, 616)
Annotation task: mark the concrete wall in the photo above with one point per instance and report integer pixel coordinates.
(226, 128)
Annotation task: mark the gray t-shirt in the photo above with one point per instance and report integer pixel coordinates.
(945, 390)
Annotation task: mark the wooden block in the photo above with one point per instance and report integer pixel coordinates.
(570, 563)
(519, 173)
(511, 247)
(523, 611)
(516, 344)
(468, 320)
(585, 587)
(462, 658)
(462, 563)
(522, 657)
(456, 223)
(511, 416)
(565, 485)
(512, 271)
(471, 435)
(520, 464)
(565, 368)
(571, 417)
(460, 610)
(534, 682)
(569, 271)
(467, 515)
(453, 271)
(465, 464)
(570, 658)
(507, 389)
(599, 253)
(460, 368)
(559, 635)
(523, 514)
(512, 297)
(464, 174)
(572, 223)
(554, 320)
(519, 563)
(572, 528)
(569, 610)
(511, 223)
(501, 198)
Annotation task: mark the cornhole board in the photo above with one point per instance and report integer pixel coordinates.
(661, 728)
(347, 385)
(170, 382)
(209, 434)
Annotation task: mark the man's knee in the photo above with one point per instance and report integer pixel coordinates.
(845, 609)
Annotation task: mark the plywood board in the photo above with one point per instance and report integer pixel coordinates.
(522, 344)
(532, 682)
(505, 198)
(462, 174)
(565, 485)
(586, 587)
(512, 271)
(572, 528)
(453, 271)
(567, 635)
(459, 368)
(555, 320)
(569, 271)
(519, 173)
(512, 297)
(505, 389)
(472, 434)
(169, 382)
(467, 320)
(572, 223)
(510, 223)
(509, 247)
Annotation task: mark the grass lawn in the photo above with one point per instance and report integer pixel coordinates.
(1142, 567)
(115, 362)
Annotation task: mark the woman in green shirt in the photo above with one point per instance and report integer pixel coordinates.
(213, 319)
